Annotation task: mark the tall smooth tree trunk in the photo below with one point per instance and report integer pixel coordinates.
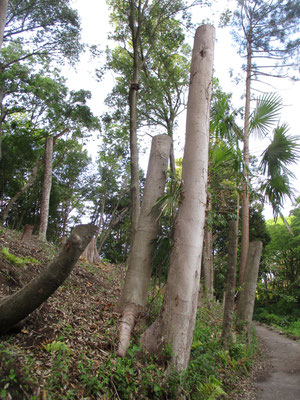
(176, 322)
(247, 294)
(135, 291)
(3, 10)
(246, 158)
(19, 305)
(135, 27)
(134, 160)
(230, 281)
(29, 183)
(46, 189)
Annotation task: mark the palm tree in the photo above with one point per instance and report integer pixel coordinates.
(283, 151)
(264, 116)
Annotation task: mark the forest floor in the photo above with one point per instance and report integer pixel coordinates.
(66, 348)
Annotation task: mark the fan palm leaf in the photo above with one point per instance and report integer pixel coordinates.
(283, 151)
(266, 114)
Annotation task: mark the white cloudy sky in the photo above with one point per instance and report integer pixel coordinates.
(95, 23)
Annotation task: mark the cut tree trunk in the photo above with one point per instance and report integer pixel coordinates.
(27, 234)
(46, 189)
(247, 294)
(135, 291)
(176, 322)
(230, 282)
(18, 306)
(91, 254)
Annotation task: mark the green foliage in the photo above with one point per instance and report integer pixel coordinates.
(45, 27)
(56, 346)
(211, 368)
(266, 114)
(15, 372)
(211, 390)
(17, 261)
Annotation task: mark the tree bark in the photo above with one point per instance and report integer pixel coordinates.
(246, 158)
(230, 281)
(176, 322)
(133, 95)
(208, 273)
(46, 189)
(27, 234)
(3, 10)
(247, 294)
(112, 223)
(18, 306)
(91, 253)
(135, 291)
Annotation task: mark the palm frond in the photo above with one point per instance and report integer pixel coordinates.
(222, 154)
(266, 114)
(222, 120)
(275, 190)
(283, 151)
(168, 203)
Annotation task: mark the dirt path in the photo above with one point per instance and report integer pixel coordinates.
(280, 380)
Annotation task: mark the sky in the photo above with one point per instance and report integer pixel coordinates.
(95, 28)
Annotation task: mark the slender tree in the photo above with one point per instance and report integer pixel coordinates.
(138, 25)
(46, 188)
(230, 281)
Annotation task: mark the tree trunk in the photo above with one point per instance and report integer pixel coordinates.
(46, 189)
(134, 161)
(230, 281)
(112, 223)
(247, 294)
(91, 253)
(27, 234)
(133, 95)
(18, 306)
(29, 183)
(176, 322)
(172, 160)
(207, 263)
(66, 213)
(135, 291)
(3, 9)
(246, 158)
